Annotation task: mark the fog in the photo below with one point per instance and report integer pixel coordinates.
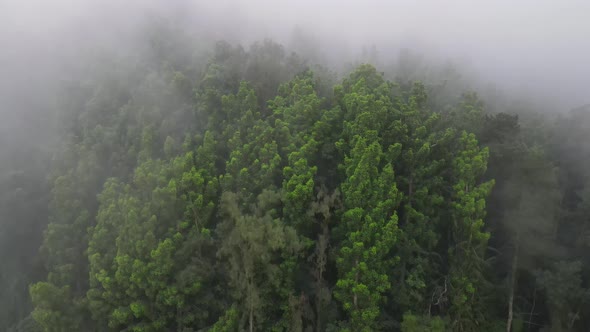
(540, 47)
(519, 56)
(537, 47)
(535, 51)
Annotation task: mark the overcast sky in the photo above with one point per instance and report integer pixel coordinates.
(540, 46)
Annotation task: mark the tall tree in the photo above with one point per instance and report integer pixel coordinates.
(466, 258)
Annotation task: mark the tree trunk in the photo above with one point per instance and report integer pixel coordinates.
(410, 194)
(251, 319)
(321, 260)
(356, 280)
(512, 286)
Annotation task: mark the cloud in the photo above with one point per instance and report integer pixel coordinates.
(537, 47)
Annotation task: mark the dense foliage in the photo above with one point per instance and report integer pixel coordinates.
(254, 192)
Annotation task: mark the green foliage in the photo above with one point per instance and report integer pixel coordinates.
(369, 220)
(424, 155)
(53, 308)
(467, 258)
(228, 322)
(155, 273)
(565, 294)
(240, 194)
(250, 245)
(413, 323)
(370, 198)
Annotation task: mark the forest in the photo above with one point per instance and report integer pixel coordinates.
(199, 185)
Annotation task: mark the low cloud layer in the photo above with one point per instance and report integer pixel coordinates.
(535, 47)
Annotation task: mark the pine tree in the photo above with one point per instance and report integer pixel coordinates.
(470, 239)
(369, 221)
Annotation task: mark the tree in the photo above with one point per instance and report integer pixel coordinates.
(425, 149)
(565, 294)
(469, 237)
(369, 221)
(251, 243)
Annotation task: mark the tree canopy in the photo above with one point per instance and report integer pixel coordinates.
(255, 192)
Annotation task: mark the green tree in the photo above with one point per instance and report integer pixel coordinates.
(369, 222)
(466, 258)
(565, 294)
(250, 245)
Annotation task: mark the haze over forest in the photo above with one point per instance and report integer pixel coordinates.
(294, 165)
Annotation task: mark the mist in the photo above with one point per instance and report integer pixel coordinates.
(537, 48)
(112, 113)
